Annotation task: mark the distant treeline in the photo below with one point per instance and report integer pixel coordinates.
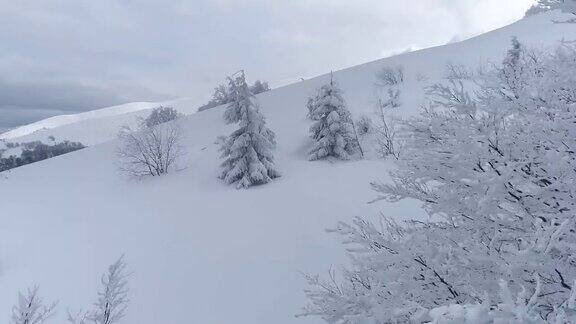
(36, 151)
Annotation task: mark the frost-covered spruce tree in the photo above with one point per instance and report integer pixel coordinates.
(332, 130)
(247, 152)
(311, 106)
(496, 171)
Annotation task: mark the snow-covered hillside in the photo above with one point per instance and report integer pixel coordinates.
(101, 125)
(91, 127)
(201, 251)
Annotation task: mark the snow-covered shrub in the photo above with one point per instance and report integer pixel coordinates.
(31, 309)
(511, 310)
(112, 300)
(386, 126)
(149, 150)
(496, 171)
(259, 87)
(247, 152)
(220, 96)
(458, 72)
(388, 139)
(79, 318)
(390, 101)
(364, 126)
(390, 77)
(388, 81)
(160, 115)
(421, 77)
(223, 94)
(333, 129)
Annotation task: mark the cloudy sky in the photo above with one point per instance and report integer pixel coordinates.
(66, 56)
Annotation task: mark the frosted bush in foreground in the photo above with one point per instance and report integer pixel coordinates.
(511, 310)
(30, 309)
(387, 129)
(496, 171)
(110, 307)
(333, 129)
(112, 300)
(388, 82)
(247, 152)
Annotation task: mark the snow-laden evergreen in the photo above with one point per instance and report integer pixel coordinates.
(248, 150)
(332, 131)
(496, 170)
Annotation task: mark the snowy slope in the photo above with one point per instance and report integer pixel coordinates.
(201, 251)
(60, 121)
(101, 125)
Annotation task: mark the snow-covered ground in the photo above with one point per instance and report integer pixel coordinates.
(201, 251)
(98, 117)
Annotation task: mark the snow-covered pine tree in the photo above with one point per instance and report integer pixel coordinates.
(30, 309)
(311, 105)
(332, 130)
(248, 150)
(513, 70)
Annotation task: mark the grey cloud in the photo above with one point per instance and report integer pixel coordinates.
(67, 56)
(22, 103)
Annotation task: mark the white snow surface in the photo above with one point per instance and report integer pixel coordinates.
(200, 251)
(93, 116)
